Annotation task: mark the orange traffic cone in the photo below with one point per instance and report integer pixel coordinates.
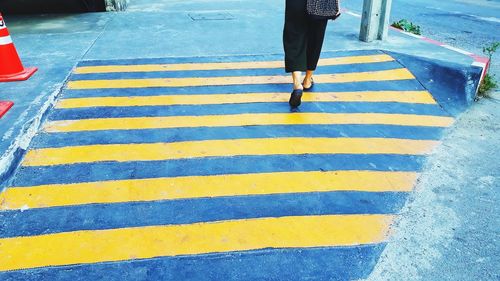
(11, 68)
(4, 107)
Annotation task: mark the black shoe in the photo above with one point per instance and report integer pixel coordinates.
(295, 98)
(308, 89)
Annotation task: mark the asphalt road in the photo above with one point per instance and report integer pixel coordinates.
(465, 24)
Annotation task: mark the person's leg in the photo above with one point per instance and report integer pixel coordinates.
(308, 79)
(296, 96)
(316, 35)
(297, 82)
(295, 45)
(295, 36)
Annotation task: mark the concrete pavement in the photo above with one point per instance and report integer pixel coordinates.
(202, 160)
(466, 24)
(448, 230)
(105, 120)
(55, 43)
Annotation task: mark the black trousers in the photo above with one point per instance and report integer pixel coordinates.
(302, 37)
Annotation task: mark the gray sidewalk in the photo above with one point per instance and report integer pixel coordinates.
(55, 43)
(442, 228)
(449, 229)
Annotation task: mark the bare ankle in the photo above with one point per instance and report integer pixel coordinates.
(307, 81)
(297, 86)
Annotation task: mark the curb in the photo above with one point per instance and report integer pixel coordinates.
(478, 61)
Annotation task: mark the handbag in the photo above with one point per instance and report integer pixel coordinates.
(323, 9)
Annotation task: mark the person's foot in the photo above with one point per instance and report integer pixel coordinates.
(308, 84)
(295, 98)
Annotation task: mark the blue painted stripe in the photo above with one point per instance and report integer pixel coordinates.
(328, 263)
(223, 109)
(331, 69)
(399, 85)
(28, 176)
(239, 58)
(186, 211)
(45, 140)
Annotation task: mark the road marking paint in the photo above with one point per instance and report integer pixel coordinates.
(479, 64)
(420, 97)
(353, 14)
(224, 148)
(490, 19)
(463, 52)
(443, 44)
(383, 75)
(225, 65)
(80, 247)
(432, 41)
(405, 32)
(153, 189)
(477, 58)
(258, 119)
(413, 35)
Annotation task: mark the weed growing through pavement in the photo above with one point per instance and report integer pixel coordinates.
(407, 26)
(489, 82)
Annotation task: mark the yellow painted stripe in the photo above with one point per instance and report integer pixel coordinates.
(153, 189)
(132, 123)
(383, 75)
(421, 97)
(83, 247)
(218, 148)
(225, 65)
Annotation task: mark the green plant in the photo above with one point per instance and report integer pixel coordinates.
(407, 26)
(487, 85)
(491, 49)
(489, 82)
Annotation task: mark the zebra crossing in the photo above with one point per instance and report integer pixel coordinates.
(195, 168)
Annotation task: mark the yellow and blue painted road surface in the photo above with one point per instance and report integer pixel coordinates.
(196, 169)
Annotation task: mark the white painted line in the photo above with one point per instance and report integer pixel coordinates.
(483, 74)
(475, 63)
(457, 50)
(490, 19)
(409, 34)
(480, 64)
(5, 40)
(353, 14)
